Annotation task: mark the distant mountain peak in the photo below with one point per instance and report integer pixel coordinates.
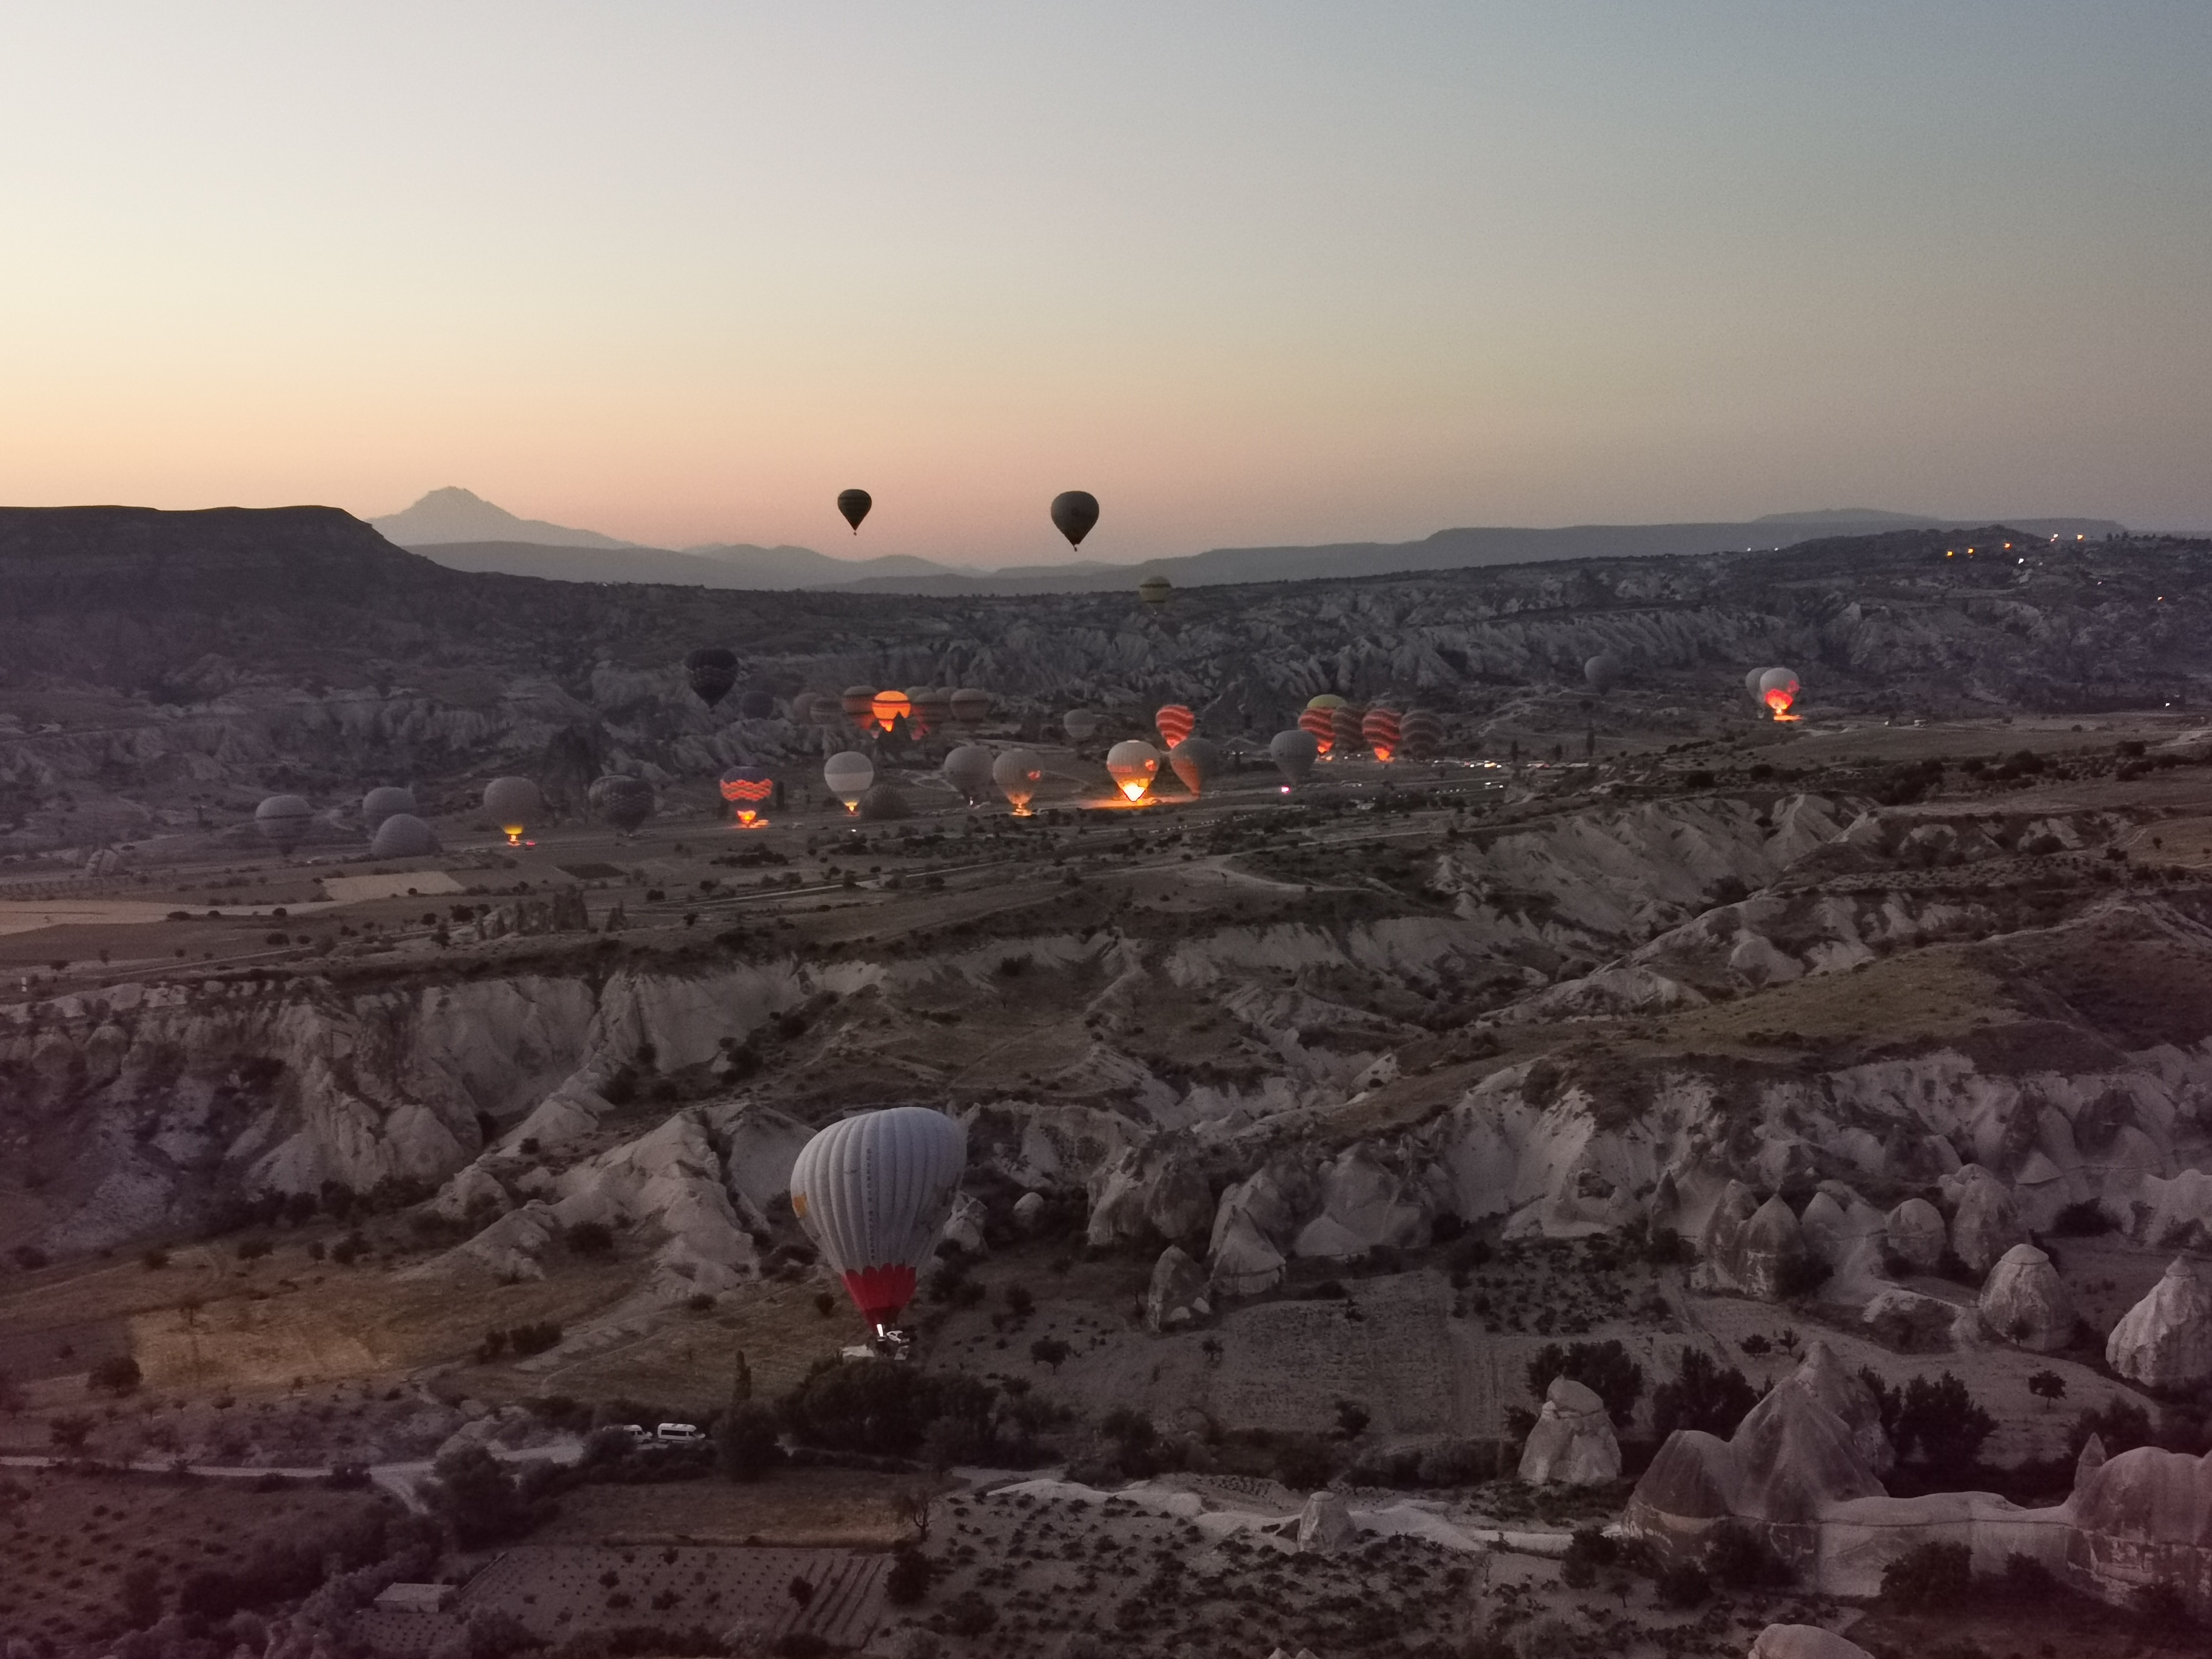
(1871, 517)
(455, 514)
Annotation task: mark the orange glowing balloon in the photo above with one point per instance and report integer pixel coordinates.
(1381, 730)
(1133, 765)
(1320, 725)
(889, 706)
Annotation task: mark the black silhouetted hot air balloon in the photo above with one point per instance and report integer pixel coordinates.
(513, 804)
(1195, 761)
(748, 788)
(968, 770)
(283, 821)
(1603, 671)
(855, 504)
(1018, 773)
(711, 669)
(1294, 754)
(624, 801)
(1073, 514)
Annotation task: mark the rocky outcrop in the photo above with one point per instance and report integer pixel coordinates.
(1147, 1193)
(1984, 1221)
(1916, 1235)
(1325, 1524)
(2144, 1517)
(2025, 1303)
(1176, 1295)
(1572, 1443)
(1803, 1642)
(2164, 1342)
(1754, 1249)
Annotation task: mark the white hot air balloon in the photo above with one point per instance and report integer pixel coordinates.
(873, 1192)
(1018, 773)
(968, 770)
(849, 776)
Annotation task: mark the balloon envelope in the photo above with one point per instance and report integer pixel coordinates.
(402, 836)
(1074, 513)
(1347, 725)
(1603, 671)
(1326, 700)
(971, 706)
(748, 788)
(1018, 773)
(859, 705)
(711, 669)
(380, 803)
(874, 1192)
(283, 821)
(1319, 724)
(855, 504)
(1132, 765)
(623, 801)
(968, 769)
(756, 705)
(889, 707)
(1175, 722)
(932, 708)
(1195, 761)
(1294, 754)
(1155, 590)
(1421, 734)
(1778, 689)
(848, 776)
(1379, 731)
(1081, 725)
(883, 801)
(513, 804)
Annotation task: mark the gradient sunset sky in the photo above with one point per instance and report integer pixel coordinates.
(1256, 273)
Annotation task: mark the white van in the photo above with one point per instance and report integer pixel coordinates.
(679, 1434)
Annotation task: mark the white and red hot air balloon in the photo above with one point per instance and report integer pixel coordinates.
(1175, 722)
(874, 1192)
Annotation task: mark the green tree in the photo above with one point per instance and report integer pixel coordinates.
(473, 1492)
(1702, 1396)
(1603, 1368)
(2048, 1387)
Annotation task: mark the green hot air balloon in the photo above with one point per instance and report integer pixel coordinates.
(1073, 514)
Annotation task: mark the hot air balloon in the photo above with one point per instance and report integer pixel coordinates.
(748, 788)
(1778, 689)
(1421, 734)
(883, 802)
(848, 776)
(859, 705)
(932, 708)
(1294, 754)
(1155, 591)
(756, 705)
(1132, 765)
(1018, 773)
(1347, 724)
(513, 804)
(1603, 671)
(1326, 700)
(971, 706)
(1074, 513)
(1175, 723)
(623, 801)
(1195, 761)
(382, 803)
(1320, 725)
(889, 707)
(1081, 725)
(855, 504)
(283, 821)
(402, 836)
(968, 770)
(873, 1192)
(1381, 731)
(1751, 686)
(711, 669)
(802, 708)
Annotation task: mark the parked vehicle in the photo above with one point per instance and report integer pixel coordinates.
(679, 1434)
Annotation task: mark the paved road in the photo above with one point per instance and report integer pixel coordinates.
(401, 1481)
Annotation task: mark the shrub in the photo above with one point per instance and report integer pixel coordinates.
(879, 1407)
(1683, 1585)
(119, 1375)
(1929, 1577)
(1739, 1559)
(1703, 1395)
(1941, 1425)
(473, 1492)
(909, 1578)
(2122, 1426)
(746, 1444)
(590, 1238)
(2085, 1219)
(967, 1614)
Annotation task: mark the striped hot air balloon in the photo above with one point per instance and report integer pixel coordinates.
(1381, 730)
(860, 706)
(888, 707)
(747, 788)
(874, 1192)
(971, 705)
(1347, 722)
(1175, 722)
(1320, 725)
(1421, 734)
